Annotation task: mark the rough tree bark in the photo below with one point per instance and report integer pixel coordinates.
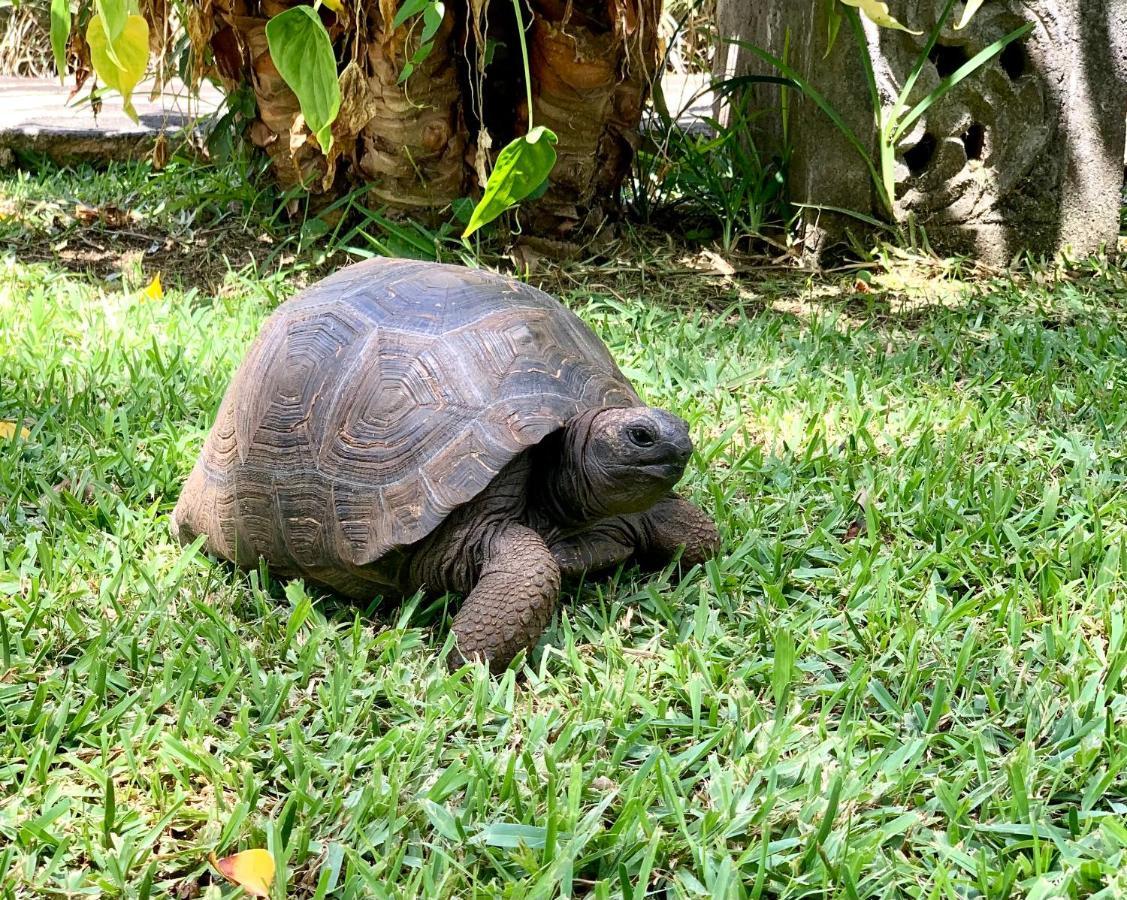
(592, 66)
(424, 143)
(1024, 155)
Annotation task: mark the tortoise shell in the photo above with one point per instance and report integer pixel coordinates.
(376, 401)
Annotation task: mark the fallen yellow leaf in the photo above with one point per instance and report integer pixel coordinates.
(878, 13)
(252, 870)
(8, 429)
(132, 51)
(154, 291)
(335, 5)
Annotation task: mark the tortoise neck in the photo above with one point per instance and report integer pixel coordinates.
(562, 492)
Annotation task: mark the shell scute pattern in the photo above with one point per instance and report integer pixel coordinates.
(377, 401)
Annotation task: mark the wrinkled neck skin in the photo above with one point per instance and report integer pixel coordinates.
(561, 492)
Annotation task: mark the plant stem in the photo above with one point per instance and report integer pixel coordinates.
(524, 59)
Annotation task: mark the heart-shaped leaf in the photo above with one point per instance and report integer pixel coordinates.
(301, 50)
(522, 167)
(132, 57)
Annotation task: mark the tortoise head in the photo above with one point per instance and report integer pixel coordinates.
(621, 460)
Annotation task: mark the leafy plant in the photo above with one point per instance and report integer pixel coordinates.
(718, 181)
(523, 165)
(301, 50)
(432, 13)
(118, 40)
(893, 123)
(349, 225)
(711, 179)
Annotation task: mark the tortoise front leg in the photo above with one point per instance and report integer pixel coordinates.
(604, 545)
(512, 602)
(672, 525)
(653, 538)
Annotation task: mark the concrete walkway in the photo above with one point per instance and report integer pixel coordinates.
(39, 116)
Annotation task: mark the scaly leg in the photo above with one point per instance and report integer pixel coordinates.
(653, 538)
(512, 602)
(673, 525)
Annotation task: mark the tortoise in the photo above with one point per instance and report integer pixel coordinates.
(405, 425)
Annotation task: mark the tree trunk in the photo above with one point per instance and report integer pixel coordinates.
(1026, 154)
(592, 66)
(424, 143)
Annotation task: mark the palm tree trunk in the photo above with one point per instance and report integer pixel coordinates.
(592, 66)
(421, 144)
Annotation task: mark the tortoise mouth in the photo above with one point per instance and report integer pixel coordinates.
(668, 472)
(667, 455)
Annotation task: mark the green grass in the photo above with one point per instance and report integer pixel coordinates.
(904, 678)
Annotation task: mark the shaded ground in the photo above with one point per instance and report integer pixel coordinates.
(115, 222)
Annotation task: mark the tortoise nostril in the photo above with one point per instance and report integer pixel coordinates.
(641, 437)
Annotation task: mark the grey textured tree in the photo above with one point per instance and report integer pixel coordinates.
(1025, 155)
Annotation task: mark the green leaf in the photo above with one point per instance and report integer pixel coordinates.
(301, 50)
(826, 825)
(782, 672)
(417, 58)
(512, 836)
(522, 166)
(113, 14)
(408, 9)
(128, 67)
(433, 14)
(833, 26)
(60, 31)
(109, 812)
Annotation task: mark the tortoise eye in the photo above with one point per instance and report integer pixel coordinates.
(641, 437)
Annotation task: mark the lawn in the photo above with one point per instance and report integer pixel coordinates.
(904, 677)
